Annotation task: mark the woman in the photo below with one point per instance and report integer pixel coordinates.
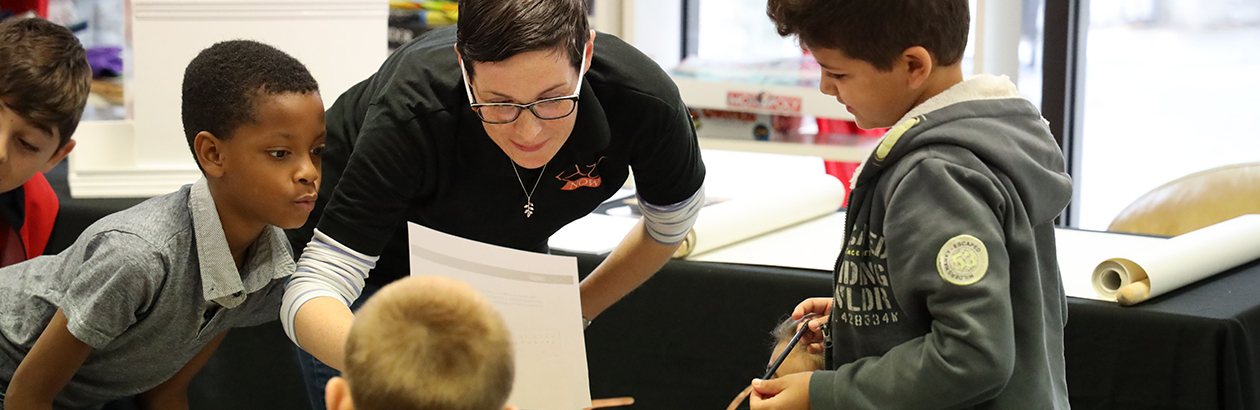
(502, 131)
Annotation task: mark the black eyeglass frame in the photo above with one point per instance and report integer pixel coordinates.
(476, 107)
(521, 107)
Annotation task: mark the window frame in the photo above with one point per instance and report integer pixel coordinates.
(1066, 25)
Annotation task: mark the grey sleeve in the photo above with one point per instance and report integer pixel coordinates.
(115, 281)
(968, 355)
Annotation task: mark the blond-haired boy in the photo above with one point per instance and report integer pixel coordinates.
(425, 343)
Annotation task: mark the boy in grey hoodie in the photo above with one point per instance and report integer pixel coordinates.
(947, 291)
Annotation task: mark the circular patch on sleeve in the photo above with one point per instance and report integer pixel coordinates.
(963, 260)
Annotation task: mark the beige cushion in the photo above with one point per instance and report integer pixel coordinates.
(1194, 201)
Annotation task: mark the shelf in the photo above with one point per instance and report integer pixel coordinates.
(843, 148)
(759, 98)
(339, 41)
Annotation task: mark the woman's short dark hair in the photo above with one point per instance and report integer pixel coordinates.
(496, 30)
(44, 74)
(877, 31)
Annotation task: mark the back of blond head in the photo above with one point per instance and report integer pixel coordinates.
(429, 343)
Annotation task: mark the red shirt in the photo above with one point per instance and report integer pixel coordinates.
(38, 211)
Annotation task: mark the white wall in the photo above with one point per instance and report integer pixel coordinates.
(656, 29)
(996, 33)
(340, 41)
(652, 26)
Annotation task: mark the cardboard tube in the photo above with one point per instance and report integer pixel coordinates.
(1116, 273)
(1180, 260)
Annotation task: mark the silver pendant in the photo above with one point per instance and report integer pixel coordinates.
(529, 209)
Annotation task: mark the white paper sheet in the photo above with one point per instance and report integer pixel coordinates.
(594, 234)
(537, 295)
(813, 244)
(1184, 259)
(722, 222)
(816, 245)
(749, 194)
(790, 201)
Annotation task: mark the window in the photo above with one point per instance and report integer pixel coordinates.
(1170, 90)
(738, 30)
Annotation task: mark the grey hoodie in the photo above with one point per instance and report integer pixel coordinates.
(947, 292)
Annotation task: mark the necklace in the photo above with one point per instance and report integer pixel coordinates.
(529, 195)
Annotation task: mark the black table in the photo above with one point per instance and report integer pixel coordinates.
(1193, 348)
(694, 336)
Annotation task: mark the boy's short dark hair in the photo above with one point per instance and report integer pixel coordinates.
(44, 74)
(222, 85)
(877, 31)
(496, 30)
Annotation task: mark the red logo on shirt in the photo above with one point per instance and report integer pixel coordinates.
(577, 178)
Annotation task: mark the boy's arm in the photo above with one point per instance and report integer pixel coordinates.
(173, 393)
(49, 366)
(968, 355)
(114, 276)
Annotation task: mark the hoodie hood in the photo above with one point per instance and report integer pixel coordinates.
(1019, 146)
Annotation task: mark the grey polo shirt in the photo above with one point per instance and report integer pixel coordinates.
(147, 288)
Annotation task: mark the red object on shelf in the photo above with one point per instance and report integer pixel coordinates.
(836, 126)
(847, 127)
(844, 170)
(22, 6)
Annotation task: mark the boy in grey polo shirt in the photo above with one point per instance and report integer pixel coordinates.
(142, 299)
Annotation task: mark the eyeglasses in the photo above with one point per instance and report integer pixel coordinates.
(545, 109)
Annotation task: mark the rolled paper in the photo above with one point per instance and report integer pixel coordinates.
(1179, 261)
(688, 244)
(794, 201)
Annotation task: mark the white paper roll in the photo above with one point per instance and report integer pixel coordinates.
(787, 204)
(1184, 259)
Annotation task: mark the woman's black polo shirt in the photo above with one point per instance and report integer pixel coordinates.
(403, 145)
